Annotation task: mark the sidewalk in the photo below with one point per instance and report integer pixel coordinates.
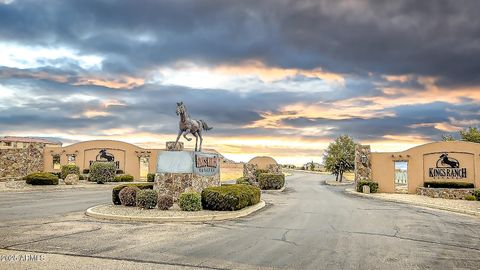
(457, 206)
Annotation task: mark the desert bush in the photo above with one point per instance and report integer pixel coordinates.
(146, 198)
(476, 193)
(434, 184)
(119, 172)
(165, 201)
(470, 198)
(58, 174)
(69, 169)
(128, 196)
(123, 178)
(190, 201)
(271, 181)
(42, 178)
(81, 177)
(102, 172)
(258, 172)
(242, 181)
(151, 177)
(230, 198)
(373, 185)
(116, 190)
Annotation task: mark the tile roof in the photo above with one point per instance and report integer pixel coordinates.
(27, 140)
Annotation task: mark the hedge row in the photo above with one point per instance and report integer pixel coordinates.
(373, 185)
(42, 178)
(123, 178)
(432, 184)
(116, 190)
(230, 197)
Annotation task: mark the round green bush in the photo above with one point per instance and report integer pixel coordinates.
(151, 177)
(165, 201)
(146, 198)
(70, 169)
(102, 172)
(476, 193)
(128, 196)
(123, 178)
(470, 198)
(230, 197)
(116, 190)
(42, 178)
(258, 172)
(373, 185)
(242, 181)
(190, 201)
(268, 181)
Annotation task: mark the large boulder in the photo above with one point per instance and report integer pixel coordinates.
(71, 179)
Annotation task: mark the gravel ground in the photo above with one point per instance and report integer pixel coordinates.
(22, 186)
(473, 206)
(138, 212)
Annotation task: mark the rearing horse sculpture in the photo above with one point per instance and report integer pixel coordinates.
(192, 126)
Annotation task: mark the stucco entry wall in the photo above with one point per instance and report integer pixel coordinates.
(421, 159)
(128, 155)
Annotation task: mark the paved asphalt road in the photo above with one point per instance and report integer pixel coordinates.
(309, 226)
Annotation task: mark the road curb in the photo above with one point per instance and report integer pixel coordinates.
(273, 191)
(338, 184)
(418, 204)
(216, 217)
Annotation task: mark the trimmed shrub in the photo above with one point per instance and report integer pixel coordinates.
(42, 178)
(470, 198)
(116, 190)
(242, 181)
(81, 177)
(230, 198)
(128, 196)
(123, 178)
(476, 193)
(271, 181)
(190, 201)
(151, 177)
(165, 201)
(373, 185)
(258, 172)
(119, 172)
(58, 174)
(102, 172)
(146, 198)
(86, 171)
(434, 184)
(69, 169)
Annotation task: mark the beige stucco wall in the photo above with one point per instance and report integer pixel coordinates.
(263, 162)
(127, 154)
(420, 159)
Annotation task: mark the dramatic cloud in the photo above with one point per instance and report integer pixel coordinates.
(277, 77)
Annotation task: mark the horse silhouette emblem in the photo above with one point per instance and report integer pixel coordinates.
(103, 155)
(447, 162)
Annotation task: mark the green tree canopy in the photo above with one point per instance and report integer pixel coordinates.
(471, 134)
(340, 156)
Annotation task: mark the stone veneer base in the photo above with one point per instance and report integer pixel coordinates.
(446, 193)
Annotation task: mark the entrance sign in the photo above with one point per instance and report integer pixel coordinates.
(449, 166)
(206, 164)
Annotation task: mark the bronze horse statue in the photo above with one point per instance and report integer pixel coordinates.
(192, 126)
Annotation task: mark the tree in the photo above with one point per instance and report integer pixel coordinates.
(312, 166)
(472, 134)
(340, 156)
(447, 138)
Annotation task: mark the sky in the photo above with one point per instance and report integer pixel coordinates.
(281, 78)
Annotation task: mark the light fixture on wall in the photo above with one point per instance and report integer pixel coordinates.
(364, 159)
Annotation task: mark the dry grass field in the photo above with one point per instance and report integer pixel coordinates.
(227, 174)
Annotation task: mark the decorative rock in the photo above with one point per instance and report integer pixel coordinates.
(363, 171)
(174, 184)
(170, 146)
(445, 193)
(249, 172)
(71, 179)
(18, 162)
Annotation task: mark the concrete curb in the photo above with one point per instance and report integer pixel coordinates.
(417, 204)
(338, 184)
(223, 216)
(275, 190)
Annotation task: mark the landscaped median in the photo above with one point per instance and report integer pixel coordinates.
(140, 202)
(458, 206)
